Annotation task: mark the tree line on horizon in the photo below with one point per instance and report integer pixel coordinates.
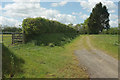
(6, 28)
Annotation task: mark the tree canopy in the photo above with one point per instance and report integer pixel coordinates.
(7, 28)
(83, 27)
(99, 19)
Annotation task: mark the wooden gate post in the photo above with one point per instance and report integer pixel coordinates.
(12, 38)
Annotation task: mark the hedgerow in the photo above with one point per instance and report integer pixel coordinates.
(33, 27)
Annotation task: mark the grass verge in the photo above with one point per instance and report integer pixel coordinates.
(107, 43)
(41, 61)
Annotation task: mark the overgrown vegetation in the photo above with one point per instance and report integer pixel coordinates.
(48, 52)
(53, 39)
(12, 64)
(83, 27)
(35, 28)
(31, 61)
(112, 30)
(6, 28)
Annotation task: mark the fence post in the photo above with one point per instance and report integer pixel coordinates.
(12, 38)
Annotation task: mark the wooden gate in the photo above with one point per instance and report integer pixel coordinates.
(17, 38)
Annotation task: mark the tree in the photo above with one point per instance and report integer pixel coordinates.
(83, 27)
(77, 27)
(70, 25)
(11, 29)
(99, 19)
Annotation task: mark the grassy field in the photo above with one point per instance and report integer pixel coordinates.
(107, 43)
(33, 61)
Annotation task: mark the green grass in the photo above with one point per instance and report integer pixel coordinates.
(107, 43)
(7, 39)
(38, 61)
(0, 38)
(33, 61)
(55, 39)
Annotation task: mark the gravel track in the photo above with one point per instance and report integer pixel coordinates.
(97, 63)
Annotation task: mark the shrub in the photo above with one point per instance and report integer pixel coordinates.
(11, 29)
(113, 30)
(37, 26)
(51, 45)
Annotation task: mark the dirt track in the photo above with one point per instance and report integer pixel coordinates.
(97, 63)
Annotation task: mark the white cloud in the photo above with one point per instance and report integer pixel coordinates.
(84, 16)
(111, 11)
(62, 3)
(81, 15)
(113, 17)
(113, 20)
(88, 5)
(114, 23)
(74, 13)
(9, 21)
(23, 10)
(64, 18)
(0, 7)
(26, 0)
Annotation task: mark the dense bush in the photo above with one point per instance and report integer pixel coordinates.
(12, 63)
(11, 29)
(36, 26)
(53, 39)
(113, 30)
(83, 27)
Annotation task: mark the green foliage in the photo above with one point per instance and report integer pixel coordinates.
(51, 45)
(99, 19)
(70, 25)
(41, 61)
(117, 43)
(52, 39)
(11, 29)
(12, 64)
(112, 30)
(35, 27)
(83, 27)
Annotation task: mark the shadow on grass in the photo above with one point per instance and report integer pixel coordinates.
(52, 39)
(11, 64)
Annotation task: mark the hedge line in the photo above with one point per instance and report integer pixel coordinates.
(37, 26)
(40, 25)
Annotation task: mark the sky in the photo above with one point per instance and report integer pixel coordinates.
(12, 12)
